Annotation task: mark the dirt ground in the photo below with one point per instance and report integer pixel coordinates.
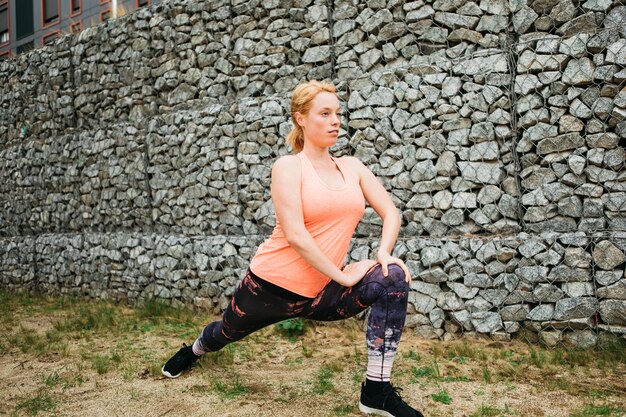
(108, 373)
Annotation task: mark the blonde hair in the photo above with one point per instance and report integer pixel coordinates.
(301, 99)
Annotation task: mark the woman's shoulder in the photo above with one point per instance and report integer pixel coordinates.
(353, 163)
(289, 163)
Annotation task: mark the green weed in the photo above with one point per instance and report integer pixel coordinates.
(342, 410)
(323, 381)
(231, 391)
(35, 405)
(442, 397)
(413, 355)
(599, 410)
(487, 375)
(292, 328)
(52, 380)
(486, 411)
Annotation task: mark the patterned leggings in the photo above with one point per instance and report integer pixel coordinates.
(257, 303)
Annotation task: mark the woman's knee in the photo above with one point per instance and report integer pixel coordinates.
(395, 277)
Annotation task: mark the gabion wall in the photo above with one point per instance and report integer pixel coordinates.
(135, 156)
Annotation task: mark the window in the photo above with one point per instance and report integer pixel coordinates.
(76, 27)
(50, 12)
(75, 7)
(4, 22)
(50, 37)
(28, 46)
(142, 3)
(105, 15)
(24, 19)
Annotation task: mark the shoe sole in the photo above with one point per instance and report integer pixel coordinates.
(167, 374)
(365, 409)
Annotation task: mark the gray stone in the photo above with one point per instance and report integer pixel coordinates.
(613, 312)
(548, 293)
(615, 201)
(531, 247)
(526, 83)
(464, 200)
(616, 53)
(437, 317)
(467, 35)
(478, 280)
(551, 338)
(542, 312)
(481, 172)
(615, 291)
(432, 255)
(606, 140)
(560, 143)
(597, 5)
(582, 339)
(607, 277)
(494, 296)
(433, 275)
(530, 61)
(492, 63)
(524, 19)
(486, 321)
(579, 72)
(516, 312)
(607, 256)
(316, 54)
(449, 301)
(578, 289)
(423, 303)
(492, 24)
(454, 21)
(616, 18)
(577, 164)
(484, 151)
(573, 308)
(563, 273)
(462, 290)
(581, 24)
(419, 14)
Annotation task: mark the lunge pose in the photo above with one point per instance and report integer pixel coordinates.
(296, 272)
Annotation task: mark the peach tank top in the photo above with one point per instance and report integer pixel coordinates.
(330, 216)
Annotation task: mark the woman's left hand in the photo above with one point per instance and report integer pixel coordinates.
(385, 259)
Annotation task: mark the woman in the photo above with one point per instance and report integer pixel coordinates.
(319, 201)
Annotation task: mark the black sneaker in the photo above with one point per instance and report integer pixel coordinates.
(180, 362)
(387, 403)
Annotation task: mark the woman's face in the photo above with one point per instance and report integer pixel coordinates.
(321, 123)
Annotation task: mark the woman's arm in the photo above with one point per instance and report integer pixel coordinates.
(381, 202)
(286, 174)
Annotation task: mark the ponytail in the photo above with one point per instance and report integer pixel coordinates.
(295, 138)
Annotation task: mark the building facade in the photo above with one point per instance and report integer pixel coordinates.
(28, 24)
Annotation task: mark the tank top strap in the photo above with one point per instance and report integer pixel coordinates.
(347, 172)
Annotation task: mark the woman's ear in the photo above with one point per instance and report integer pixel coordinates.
(299, 119)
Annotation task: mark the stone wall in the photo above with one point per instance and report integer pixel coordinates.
(135, 156)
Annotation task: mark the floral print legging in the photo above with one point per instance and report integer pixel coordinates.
(257, 303)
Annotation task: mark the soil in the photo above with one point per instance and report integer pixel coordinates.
(267, 374)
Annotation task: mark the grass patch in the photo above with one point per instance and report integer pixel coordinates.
(442, 397)
(342, 410)
(323, 382)
(292, 329)
(486, 411)
(230, 390)
(599, 410)
(35, 405)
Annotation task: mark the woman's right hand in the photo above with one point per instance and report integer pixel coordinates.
(355, 272)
